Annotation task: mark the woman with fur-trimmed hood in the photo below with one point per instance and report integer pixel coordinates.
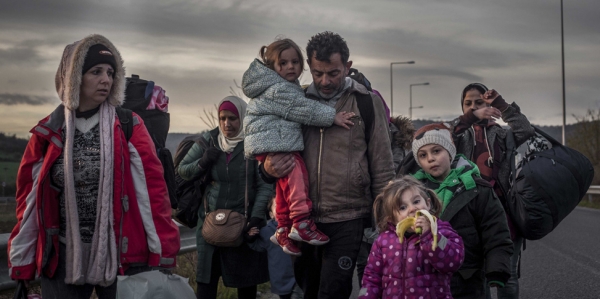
(90, 204)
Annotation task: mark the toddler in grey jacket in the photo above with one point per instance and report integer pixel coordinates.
(276, 112)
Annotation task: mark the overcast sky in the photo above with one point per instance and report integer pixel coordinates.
(195, 49)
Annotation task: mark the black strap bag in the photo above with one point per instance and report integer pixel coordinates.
(189, 194)
(546, 185)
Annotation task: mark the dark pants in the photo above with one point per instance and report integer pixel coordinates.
(327, 271)
(511, 288)
(56, 288)
(470, 288)
(209, 290)
(361, 260)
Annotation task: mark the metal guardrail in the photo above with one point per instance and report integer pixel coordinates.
(188, 244)
(593, 190)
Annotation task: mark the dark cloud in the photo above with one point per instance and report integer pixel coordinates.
(16, 99)
(23, 54)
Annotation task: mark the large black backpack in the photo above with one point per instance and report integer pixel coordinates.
(189, 193)
(546, 185)
(138, 94)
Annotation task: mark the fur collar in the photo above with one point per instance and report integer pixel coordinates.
(403, 133)
(68, 76)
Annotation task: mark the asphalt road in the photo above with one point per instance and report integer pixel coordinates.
(566, 263)
(563, 265)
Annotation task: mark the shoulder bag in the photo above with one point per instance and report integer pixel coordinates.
(224, 227)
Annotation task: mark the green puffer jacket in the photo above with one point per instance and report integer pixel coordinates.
(242, 267)
(476, 214)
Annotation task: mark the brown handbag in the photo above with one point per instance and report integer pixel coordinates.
(224, 227)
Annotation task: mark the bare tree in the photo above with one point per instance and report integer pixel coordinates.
(210, 117)
(586, 138)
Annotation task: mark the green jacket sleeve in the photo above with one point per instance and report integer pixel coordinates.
(188, 168)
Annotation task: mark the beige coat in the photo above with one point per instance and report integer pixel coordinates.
(346, 173)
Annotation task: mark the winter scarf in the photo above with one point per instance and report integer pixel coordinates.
(461, 173)
(228, 144)
(94, 263)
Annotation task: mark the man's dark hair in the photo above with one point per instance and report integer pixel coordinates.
(325, 44)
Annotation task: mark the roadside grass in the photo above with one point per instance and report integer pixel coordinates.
(8, 171)
(594, 204)
(186, 267)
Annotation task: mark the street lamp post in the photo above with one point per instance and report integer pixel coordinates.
(392, 83)
(410, 107)
(562, 48)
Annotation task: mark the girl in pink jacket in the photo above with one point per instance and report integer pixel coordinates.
(410, 269)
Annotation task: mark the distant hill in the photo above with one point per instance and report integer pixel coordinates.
(12, 148)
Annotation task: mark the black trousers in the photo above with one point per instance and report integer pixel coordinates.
(327, 271)
(209, 290)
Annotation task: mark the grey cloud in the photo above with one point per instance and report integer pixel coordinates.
(22, 54)
(15, 99)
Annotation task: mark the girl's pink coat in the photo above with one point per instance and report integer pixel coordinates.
(412, 269)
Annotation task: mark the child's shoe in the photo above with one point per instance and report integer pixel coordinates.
(307, 231)
(281, 238)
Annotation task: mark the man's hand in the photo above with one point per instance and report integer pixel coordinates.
(342, 119)
(279, 164)
(487, 113)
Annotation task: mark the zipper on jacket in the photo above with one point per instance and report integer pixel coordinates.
(319, 172)
(228, 186)
(122, 206)
(404, 250)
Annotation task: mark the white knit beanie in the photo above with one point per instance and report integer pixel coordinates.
(438, 133)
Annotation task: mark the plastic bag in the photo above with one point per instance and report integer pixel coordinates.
(154, 285)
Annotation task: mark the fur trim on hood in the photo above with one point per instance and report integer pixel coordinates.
(69, 74)
(402, 137)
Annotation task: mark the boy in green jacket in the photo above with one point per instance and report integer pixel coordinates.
(471, 207)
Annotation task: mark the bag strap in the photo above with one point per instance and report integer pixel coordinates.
(548, 137)
(511, 149)
(126, 119)
(367, 112)
(245, 194)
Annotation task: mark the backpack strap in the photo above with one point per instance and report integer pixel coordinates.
(126, 119)
(364, 102)
(511, 153)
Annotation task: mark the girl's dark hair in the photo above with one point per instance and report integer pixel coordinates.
(390, 200)
(270, 54)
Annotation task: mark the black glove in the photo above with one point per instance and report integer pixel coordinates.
(254, 222)
(210, 156)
